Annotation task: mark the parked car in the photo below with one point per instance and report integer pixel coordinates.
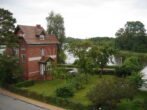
(73, 71)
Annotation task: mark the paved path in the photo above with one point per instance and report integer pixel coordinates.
(11, 101)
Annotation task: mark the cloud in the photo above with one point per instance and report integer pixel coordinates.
(83, 18)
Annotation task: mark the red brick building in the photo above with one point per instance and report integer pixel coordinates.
(37, 50)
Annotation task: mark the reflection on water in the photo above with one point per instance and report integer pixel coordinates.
(70, 59)
(144, 86)
(144, 71)
(1, 51)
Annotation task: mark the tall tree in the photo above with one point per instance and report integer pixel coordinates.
(132, 37)
(7, 28)
(80, 49)
(101, 55)
(10, 69)
(55, 26)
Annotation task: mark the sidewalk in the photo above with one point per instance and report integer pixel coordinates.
(31, 101)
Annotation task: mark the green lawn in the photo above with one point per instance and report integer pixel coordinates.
(48, 88)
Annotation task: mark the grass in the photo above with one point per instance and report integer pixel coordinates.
(142, 95)
(81, 95)
(48, 88)
(138, 102)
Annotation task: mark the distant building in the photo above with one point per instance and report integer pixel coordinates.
(37, 50)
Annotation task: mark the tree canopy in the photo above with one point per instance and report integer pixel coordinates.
(80, 49)
(90, 55)
(7, 28)
(108, 92)
(101, 55)
(55, 26)
(10, 68)
(132, 37)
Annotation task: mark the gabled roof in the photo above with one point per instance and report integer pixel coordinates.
(45, 59)
(31, 35)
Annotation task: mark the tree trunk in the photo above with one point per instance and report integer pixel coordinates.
(101, 73)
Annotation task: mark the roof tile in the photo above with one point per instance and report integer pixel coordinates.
(31, 33)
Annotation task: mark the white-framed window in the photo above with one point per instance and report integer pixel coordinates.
(23, 48)
(23, 57)
(42, 51)
(21, 35)
(16, 51)
(41, 37)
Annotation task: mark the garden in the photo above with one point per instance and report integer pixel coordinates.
(49, 87)
(95, 90)
(94, 86)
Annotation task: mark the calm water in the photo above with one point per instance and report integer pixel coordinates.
(1, 51)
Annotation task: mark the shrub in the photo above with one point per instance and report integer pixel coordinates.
(75, 84)
(122, 71)
(65, 92)
(107, 71)
(67, 65)
(111, 66)
(79, 81)
(108, 93)
(134, 104)
(25, 83)
(10, 70)
(136, 79)
(133, 64)
(60, 73)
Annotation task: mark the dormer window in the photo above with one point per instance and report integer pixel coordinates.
(41, 37)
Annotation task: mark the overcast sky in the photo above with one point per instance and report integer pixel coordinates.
(83, 18)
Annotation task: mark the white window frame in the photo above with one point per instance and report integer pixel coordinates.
(23, 58)
(42, 37)
(42, 51)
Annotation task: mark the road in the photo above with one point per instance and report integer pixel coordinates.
(11, 103)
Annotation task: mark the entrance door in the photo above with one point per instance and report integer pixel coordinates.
(42, 69)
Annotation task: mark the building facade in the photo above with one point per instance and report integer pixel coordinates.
(37, 50)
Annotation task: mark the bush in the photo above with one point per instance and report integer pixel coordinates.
(107, 71)
(108, 93)
(25, 83)
(136, 79)
(59, 73)
(134, 104)
(133, 64)
(65, 92)
(79, 81)
(10, 70)
(75, 84)
(122, 71)
(67, 65)
(111, 66)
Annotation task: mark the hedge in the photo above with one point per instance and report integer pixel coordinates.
(111, 66)
(58, 101)
(67, 65)
(125, 54)
(107, 71)
(25, 83)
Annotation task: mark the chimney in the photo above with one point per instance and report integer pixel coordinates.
(38, 25)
